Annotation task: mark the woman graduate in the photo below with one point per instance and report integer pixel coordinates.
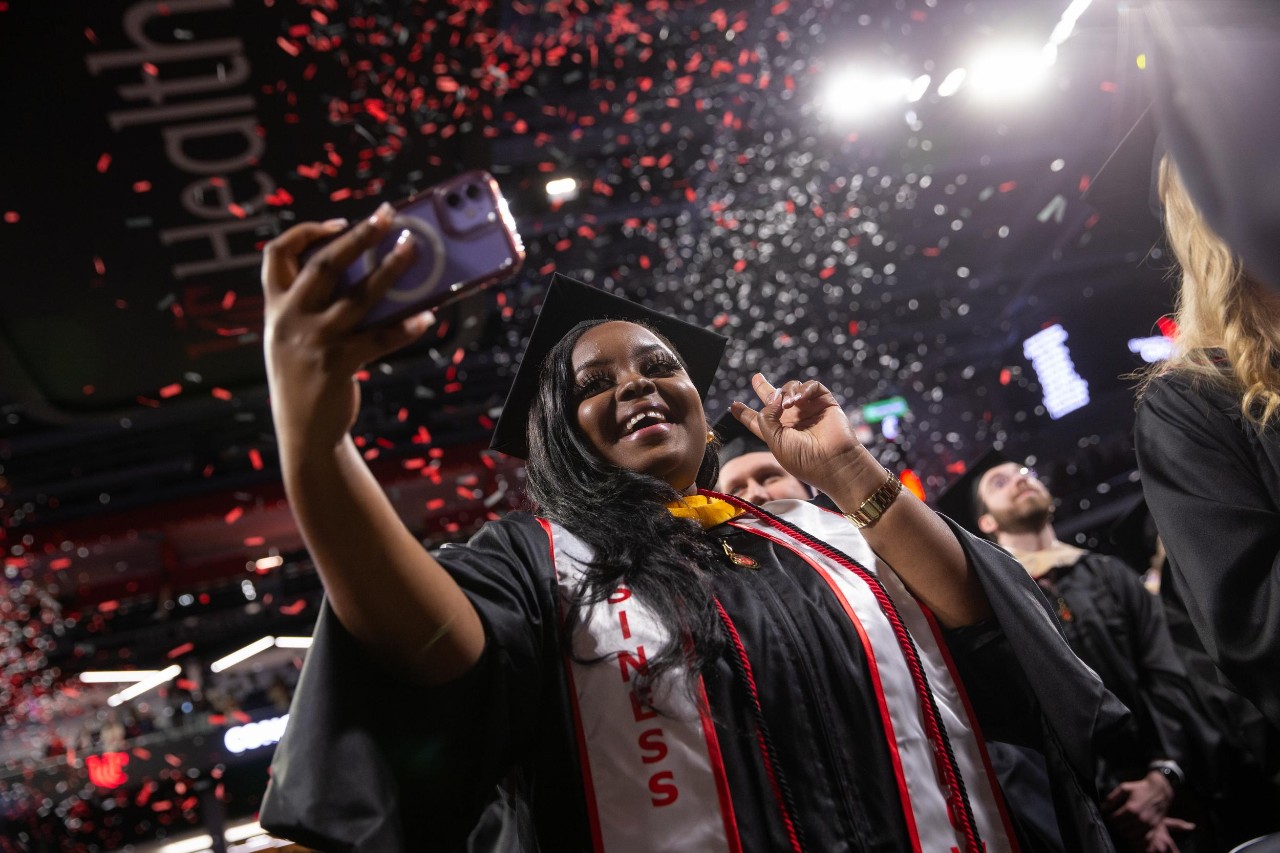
(645, 665)
(1207, 436)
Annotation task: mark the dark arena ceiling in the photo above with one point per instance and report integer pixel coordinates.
(811, 179)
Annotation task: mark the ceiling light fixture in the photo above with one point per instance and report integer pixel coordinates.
(562, 189)
(116, 676)
(241, 655)
(163, 676)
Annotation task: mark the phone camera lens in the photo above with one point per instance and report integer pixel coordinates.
(473, 192)
(453, 199)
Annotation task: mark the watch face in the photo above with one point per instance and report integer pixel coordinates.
(1171, 775)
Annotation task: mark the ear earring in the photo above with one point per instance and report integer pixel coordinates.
(711, 436)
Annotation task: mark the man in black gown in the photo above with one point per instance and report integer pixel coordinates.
(1119, 630)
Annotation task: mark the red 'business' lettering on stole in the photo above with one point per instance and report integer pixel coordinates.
(651, 742)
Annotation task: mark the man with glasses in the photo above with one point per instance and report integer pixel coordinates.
(1116, 627)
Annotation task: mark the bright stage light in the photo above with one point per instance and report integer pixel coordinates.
(266, 563)
(952, 83)
(858, 92)
(243, 654)
(162, 677)
(562, 189)
(1066, 25)
(1008, 72)
(252, 836)
(918, 87)
(116, 676)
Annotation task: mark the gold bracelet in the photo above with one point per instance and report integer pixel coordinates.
(876, 505)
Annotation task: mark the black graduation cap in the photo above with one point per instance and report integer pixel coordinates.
(1216, 66)
(1210, 83)
(958, 501)
(1125, 190)
(736, 439)
(566, 304)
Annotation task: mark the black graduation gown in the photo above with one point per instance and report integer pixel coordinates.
(1212, 480)
(371, 763)
(1119, 630)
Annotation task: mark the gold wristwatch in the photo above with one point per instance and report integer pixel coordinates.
(875, 506)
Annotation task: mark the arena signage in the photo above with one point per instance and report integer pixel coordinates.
(238, 739)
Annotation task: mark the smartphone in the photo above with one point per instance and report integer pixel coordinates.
(466, 240)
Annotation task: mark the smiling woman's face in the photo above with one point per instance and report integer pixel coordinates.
(636, 405)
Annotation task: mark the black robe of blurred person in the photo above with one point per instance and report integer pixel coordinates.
(1212, 481)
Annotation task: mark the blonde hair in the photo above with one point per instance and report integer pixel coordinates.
(1220, 308)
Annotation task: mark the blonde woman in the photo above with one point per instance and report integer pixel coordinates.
(1208, 442)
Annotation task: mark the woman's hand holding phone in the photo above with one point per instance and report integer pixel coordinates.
(312, 340)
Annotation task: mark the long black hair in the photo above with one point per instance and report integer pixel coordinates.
(668, 563)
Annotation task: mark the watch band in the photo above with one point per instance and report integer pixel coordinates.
(869, 512)
(1170, 770)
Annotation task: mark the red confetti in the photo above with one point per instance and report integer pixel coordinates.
(234, 515)
(221, 393)
(179, 651)
(1168, 327)
(255, 459)
(171, 390)
(141, 186)
(295, 608)
(279, 198)
(104, 162)
(60, 563)
(11, 216)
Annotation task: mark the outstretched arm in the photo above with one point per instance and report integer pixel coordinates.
(808, 432)
(388, 591)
